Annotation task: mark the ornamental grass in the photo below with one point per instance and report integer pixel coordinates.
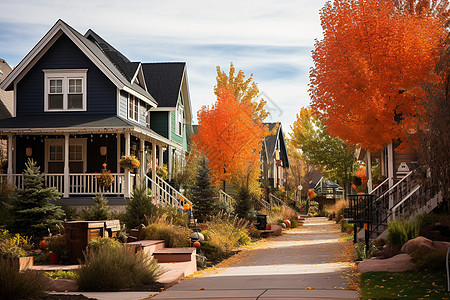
(28, 284)
(116, 268)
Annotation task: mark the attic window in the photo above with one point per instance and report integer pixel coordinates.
(133, 108)
(65, 90)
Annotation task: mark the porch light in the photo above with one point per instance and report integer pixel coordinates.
(103, 150)
(29, 151)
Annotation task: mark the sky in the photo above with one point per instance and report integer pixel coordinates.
(270, 39)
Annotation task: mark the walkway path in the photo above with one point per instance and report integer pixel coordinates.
(301, 264)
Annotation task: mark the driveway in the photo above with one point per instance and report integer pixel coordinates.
(300, 264)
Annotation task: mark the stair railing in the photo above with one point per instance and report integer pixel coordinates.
(224, 197)
(165, 194)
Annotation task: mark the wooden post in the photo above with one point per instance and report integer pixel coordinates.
(118, 152)
(161, 156)
(142, 158)
(169, 162)
(369, 172)
(10, 159)
(390, 157)
(126, 193)
(66, 166)
(153, 167)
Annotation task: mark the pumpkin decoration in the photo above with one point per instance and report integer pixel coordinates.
(42, 245)
(196, 244)
(288, 223)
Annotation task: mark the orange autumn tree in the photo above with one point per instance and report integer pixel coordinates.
(230, 134)
(368, 69)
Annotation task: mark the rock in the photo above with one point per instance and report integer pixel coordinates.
(398, 263)
(441, 247)
(418, 244)
(388, 251)
(62, 285)
(277, 229)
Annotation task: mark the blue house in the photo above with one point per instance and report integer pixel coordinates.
(80, 103)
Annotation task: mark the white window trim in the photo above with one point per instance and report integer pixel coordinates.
(177, 117)
(65, 75)
(72, 142)
(131, 118)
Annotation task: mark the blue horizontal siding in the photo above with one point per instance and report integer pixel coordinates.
(64, 54)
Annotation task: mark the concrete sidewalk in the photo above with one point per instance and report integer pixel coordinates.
(298, 265)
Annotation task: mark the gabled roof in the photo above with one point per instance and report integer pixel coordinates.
(164, 81)
(270, 143)
(110, 61)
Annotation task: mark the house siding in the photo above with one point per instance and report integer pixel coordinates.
(175, 137)
(64, 54)
(123, 104)
(142, 110)
(159, 123)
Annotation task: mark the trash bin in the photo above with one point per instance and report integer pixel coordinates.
(261, 221)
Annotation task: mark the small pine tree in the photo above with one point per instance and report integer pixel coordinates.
(99, 211)
(243, 204)
(202, 193)
(33, 212)
(139, 206)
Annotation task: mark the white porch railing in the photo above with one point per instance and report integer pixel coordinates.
(165, 194)
(86, 184)
(225, 198)
(79, 184)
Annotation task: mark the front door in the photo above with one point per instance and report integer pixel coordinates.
(54, 159)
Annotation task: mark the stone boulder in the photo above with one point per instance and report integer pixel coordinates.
(62, 285)
(441, 247)
(420, 243)
(277, 229)
(399, 263)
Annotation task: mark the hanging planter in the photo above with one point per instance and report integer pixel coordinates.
(105, 179)
(130, 162)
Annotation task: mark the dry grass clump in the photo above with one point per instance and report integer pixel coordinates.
(115, 268)
(278, 214)
(159, 228)
(28, 284)
(338, 208)
(224, 234)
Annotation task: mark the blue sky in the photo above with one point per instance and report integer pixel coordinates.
(271, 39)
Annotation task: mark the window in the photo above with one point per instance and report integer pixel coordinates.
(65, 90)
(133, 108)
(179, 120)
(55, 153)
(75, 153)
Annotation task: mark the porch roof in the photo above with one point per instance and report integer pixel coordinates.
(76, 123)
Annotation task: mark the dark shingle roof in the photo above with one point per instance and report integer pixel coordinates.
(163, 81)
(64, 121)
(271, 141)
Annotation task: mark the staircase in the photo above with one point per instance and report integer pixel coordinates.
(225, 198)
(177, 262)
(163, 193)
(407, 198)
(274, 201)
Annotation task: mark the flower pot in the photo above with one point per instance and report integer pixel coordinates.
(53, 258)
(268, 227)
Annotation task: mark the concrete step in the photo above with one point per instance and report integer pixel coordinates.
(176, 271)
(147, 246)
(175, 255)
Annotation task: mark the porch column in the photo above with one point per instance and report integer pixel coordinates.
(126, 192)
(10, 159)
(369, 172)
(390, 163)
(153, 164)
(169, 162)
(66, 165)
(161, 156)
(118, 152)
(142, 158)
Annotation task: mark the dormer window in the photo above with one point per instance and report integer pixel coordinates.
(65, 90)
